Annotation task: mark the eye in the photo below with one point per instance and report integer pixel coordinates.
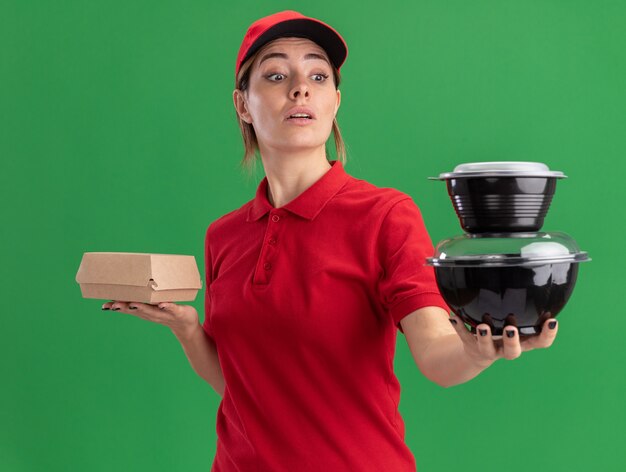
(324, 77)
(273, 74)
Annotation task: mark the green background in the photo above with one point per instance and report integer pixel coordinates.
(118, 133)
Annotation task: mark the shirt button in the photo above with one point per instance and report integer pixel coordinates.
(267, 266)
(271, 241)
(275, 218)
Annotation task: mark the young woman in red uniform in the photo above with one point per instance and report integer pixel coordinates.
(308, 282)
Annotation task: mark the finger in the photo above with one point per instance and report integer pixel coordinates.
(545, 338)
(117, 305)
(163, 311)
(461, 330)
(512, 348)
(548, 332)
(148, 312)
(140, 310)
(107, 306)
(486, 345)
(169, 307)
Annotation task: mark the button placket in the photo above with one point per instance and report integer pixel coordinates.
(266, 262)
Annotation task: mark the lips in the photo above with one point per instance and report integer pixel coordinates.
(299, 111)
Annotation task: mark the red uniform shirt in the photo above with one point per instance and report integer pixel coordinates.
(303, 302)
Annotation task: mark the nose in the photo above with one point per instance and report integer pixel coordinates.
(300, 88)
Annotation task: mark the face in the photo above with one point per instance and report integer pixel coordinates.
(288, 73)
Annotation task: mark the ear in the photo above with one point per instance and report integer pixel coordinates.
(338, 101)
(239, 100)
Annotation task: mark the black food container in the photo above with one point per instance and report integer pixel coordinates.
(501, 196)
(518, 279)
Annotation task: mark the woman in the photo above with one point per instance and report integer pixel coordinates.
(308, 281)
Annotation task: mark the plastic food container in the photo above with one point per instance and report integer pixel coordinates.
(501, 196)
(518, 279)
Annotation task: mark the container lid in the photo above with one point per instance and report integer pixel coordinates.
(506, 249)
(500, 169)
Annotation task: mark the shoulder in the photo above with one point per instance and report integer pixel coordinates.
(364, 196)
(391, 215)
(229, 223)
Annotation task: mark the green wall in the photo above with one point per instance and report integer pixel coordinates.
(118, 133)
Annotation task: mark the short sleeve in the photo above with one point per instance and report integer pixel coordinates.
(403, 244)
(208, 271)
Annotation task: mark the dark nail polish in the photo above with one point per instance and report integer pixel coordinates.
(483, 332)
(105, 308)
(132, 307)
(510, 333)
(552, 324)
(116, 309)
(453, 321)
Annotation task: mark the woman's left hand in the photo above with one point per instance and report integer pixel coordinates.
(484, 350)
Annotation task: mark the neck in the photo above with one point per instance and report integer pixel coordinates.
(290, 174)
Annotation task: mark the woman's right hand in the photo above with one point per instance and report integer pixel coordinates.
(181, 319)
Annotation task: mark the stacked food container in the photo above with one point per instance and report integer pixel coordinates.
(504, 271)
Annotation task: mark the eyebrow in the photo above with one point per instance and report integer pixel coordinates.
(284, 56)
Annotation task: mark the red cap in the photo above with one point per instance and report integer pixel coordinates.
(291, 23)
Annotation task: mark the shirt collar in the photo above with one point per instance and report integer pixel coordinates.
(310, 202)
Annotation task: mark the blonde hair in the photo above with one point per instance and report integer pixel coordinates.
(251, 145)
